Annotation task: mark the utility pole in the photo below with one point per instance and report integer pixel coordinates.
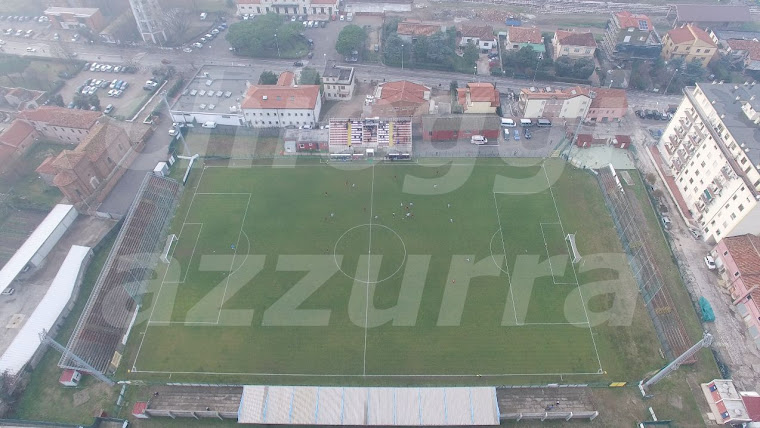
(46, 340)
(675, 364)
(402, 56)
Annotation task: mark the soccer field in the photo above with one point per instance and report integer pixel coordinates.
(390, 270)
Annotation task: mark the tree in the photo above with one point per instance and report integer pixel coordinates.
(57, 99)
(263, 37)
(390, 27)
(453, 86)
(440, 48)
(640, 76)
(351, 38)
(267, 78)
(12, 64)
(471, 53)
(392, 50)
(309, 76)
(579, 69)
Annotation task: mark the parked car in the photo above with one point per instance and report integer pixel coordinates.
(298, 64)
(323, 24)
(709, 262)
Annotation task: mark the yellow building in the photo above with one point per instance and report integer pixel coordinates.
(689, 43)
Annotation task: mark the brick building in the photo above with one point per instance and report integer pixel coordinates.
(72, 18)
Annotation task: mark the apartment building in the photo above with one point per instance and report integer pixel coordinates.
(570, 103)
(273, 106)
(631, 36)
(287, 7)
(689, 43)
(61, 124)
(338, 82)
(709, 155)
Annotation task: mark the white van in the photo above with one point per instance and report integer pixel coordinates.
(509, 123)
(479, 140)
(526, 122)
(211, 125)
(204, 15)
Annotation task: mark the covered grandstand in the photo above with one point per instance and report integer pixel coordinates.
(110, 310)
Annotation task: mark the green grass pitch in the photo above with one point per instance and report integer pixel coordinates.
(317, 271)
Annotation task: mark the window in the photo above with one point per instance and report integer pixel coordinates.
(736, 273)
(733, 216)
(741, 207)
(707, 50)
(699, 50)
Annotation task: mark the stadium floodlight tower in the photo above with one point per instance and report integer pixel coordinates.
(705, 342)
(47, 340)
(149, 18)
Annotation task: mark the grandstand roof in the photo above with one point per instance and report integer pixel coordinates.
(302, 405)
(26, 342)
(29, 248)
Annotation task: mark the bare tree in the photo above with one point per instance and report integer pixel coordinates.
(176, 23)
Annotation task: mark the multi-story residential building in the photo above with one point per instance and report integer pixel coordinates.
(481, 36)
(574, 44)
(738, 261)
(61, 124)
(338, 82)
(72, 18)
(709, 156)
(478, 97)
(689, 43)
(631, 36)
(273, 106)
(570, 103)
(607, 105)
(520, 37)
(288, 7)
(401, 99)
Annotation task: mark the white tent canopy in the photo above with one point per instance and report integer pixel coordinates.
(26, 342)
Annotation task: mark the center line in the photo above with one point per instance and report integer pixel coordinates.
(369, 258)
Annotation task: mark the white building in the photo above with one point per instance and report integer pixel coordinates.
(482, 36)
(295, 7)
(273, 106)
(710, 156)
(338, 82)
(570, 103)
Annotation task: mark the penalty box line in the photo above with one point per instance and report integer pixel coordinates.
(549, 256)
(330, 375)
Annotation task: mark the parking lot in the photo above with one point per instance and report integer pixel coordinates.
(101, 82)
(25, 27)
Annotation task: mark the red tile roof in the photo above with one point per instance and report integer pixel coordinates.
(752, 403)
(139, 408)
(417, 28)
(745, 250)
(752, 47)
(286, 78)
(524, 35)
(689, 33)
(63, 117)
(67, 375)
(479, 93)
(281, 97)
(15, 134)
(609, 98)
(484, 32)
(46, 167)
(402, 90)
(576, 38)
(627, 19)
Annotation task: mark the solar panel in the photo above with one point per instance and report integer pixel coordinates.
(643, 25)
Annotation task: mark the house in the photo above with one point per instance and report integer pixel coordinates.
(631, 36)
(409, 29)
(709, 157)
(70, 377)
(15, 141)
(738, 261)
(72, 18)
(712, 16)
(61, 124)
(21, 98)
(730, 407)
(91, 169)
(370, 136)
(401, 99)
(338, 82)
(279, 106)
(746, 51)
(569, 103)
(478, 98)
(460, 127)
(574, 44)
(520, 37)
(689, 43)
(319, 8)
(481, 36)
(607, 105)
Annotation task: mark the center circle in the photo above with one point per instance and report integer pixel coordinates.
(378, 239)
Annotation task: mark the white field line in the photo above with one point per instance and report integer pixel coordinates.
(369, 258)
(161, 286)
(234, 255)
(575, 274)
(506, 262)
(554, 374)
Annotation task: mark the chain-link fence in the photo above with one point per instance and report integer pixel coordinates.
(630, 224)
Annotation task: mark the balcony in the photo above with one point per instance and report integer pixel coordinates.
(674, 140)
(680, 131)
(670, 148)
(695, 139)
(691, 114)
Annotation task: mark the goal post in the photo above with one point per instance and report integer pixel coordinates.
(171, 239)
(574, 248)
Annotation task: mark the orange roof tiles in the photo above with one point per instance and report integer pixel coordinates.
(524, 35)
(752, 47)
(286, 78)
(745, 250)
(417, 28)
(15, 134)
(576, 38)
(689, 33)
(479, 93)
(609, 98)
(281, 97)
(483, 32)
(63, 117)
(627, 19)
(402, 90)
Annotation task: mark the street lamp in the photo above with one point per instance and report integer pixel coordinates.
(536, 70)
(402, 56)
(475, 73)
(608, 87)
(671, 79)
(278, 44)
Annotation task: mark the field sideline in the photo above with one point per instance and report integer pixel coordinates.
(391, 271)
